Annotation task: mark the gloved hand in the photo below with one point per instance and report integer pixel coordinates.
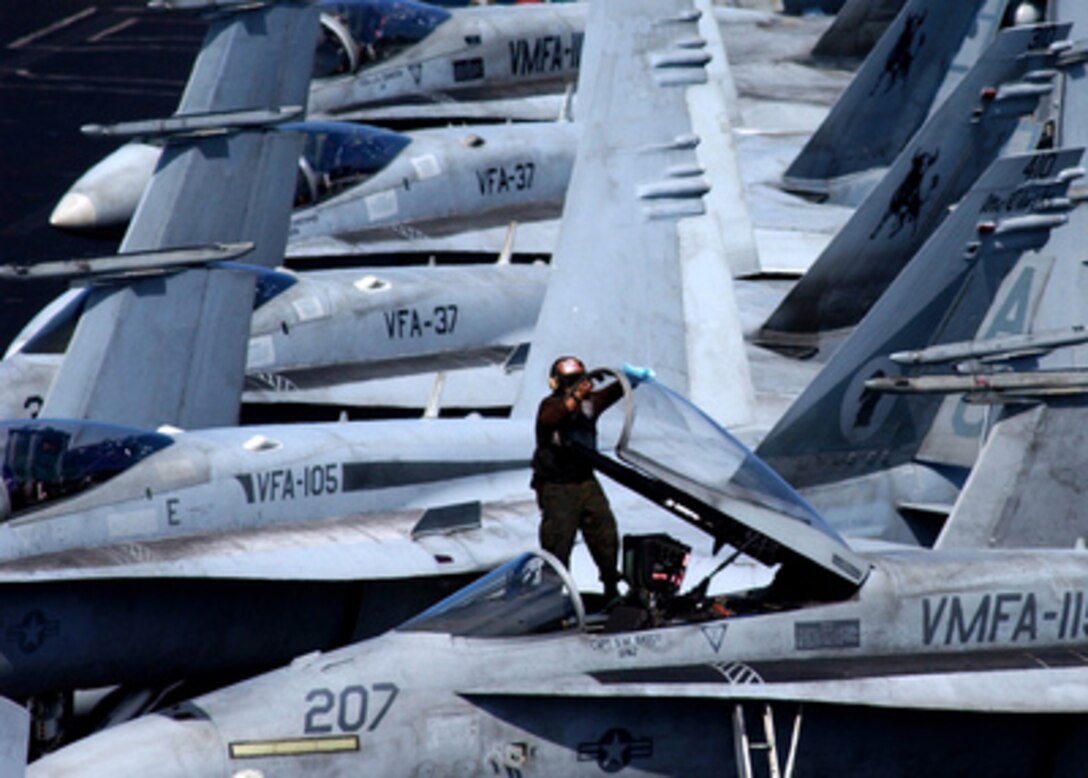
(636, 375)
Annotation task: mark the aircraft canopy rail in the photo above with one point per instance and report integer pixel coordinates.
(677, 456)
(338, 155)
(377, 29)
(530, 595)
(46, 460)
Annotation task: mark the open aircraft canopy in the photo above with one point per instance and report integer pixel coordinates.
(673, 453)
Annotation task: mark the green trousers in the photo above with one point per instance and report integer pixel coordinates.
(568, 507)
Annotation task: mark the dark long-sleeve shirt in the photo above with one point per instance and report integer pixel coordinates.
(554, 460)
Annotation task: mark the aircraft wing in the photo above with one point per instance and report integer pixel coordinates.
(391, 545)
(224, 177)
(530, 108)
(639, 270)
(1022, 691)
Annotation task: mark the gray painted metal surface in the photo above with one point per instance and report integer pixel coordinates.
(191, 339)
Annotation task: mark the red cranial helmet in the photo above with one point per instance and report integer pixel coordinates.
(565, 371)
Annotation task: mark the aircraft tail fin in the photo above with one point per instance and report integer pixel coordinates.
(933, 171)
(638, 273)
(850, 420)
(1026, 489)
(888, 98)
(170, 348)
(857, 28)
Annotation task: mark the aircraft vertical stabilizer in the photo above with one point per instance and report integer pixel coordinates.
(714, 114)
(639, 274)
(1026, 489)
(225, 176)
(888, 98)
(858, 26)
(849, 421)
(934, 170)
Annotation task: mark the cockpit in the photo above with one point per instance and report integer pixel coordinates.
(667, 450)
(49, 460)
(337, 156)
(358, 33)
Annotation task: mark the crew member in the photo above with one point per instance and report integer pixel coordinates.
(569, 496)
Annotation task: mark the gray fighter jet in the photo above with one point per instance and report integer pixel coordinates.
(315, 331)
(846, 659)
(376, 53)
(430, 534)
(360, 185)
(296, 549)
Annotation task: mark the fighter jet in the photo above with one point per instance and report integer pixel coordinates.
(450, 63)
(316, 331)
(445, 500)
(845, 659)
(264, 514)
(454, 64)
(364, 189)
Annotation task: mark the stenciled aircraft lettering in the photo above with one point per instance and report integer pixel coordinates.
(627, 645)
(348, 711)
(290, 483)
(863, 411)
(33, 405)
(1041, 166)
(1011, 319)
(545, 54)
(506, 178)
(1002, 617)
(410, 323)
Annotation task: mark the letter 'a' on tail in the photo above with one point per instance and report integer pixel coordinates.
(888, 98)
(170, 348)
(851, 420)
(639, 275)
(1027, 488)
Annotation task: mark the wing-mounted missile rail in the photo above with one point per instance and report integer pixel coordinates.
(195, 125)
(108, 269)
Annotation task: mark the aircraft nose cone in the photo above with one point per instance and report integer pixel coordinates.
(75, 211)
(104, 198)
(150, 746)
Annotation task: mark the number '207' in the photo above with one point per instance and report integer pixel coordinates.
(350, 710)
